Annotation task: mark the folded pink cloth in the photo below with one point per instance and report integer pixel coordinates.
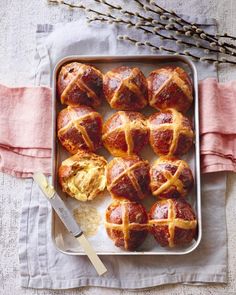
(217, 106)
(218, 125)
(25, 128)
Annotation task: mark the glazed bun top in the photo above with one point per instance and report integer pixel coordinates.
(126, 224)
(170, 178)
(125, 133)
(79, 128)
(174, 222)
(170, 87)
(128, 178)
(171, 133)
(80, 84)
(126, 89)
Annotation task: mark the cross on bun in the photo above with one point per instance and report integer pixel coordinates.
(173, 222)
(170, 87)
(170, 133)
(125, 133)
(80, 84)
(79, 128)
(170, 178)
(126, 224)
(128, 178)
(126, 89)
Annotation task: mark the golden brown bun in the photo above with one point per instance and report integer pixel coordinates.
(170, 178)
(128, 178)
(170, 87)
(170, 133)
(126, 224)
(80, 84)
(173, 222)
(125, 133)
(126, 89)
(79, 128)
(82, 176)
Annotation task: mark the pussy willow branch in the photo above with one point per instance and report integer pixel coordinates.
(225, 35)
(143, 18)
(153, 47)
(70, 5)
(78, 6)
(147, 21)
(162, 48)
(193, 29)
(129, 23)
(112, 18)
(179, 20)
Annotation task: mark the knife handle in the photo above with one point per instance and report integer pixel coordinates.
(93, 257)
(69, 221)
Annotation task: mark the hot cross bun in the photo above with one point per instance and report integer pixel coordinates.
(80, 84)
(170, 133)
(125, 133)
(126, 224)
(128, 178)
(173, 222)
(170, 178)
(126, 89)
(79, 128)
(170, 87)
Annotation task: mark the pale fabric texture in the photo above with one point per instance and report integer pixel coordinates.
(218, 141)
(42, 266)
(25, 138)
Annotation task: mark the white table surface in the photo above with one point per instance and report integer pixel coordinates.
(17, 38)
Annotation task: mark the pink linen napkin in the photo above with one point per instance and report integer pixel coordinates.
(25, 128)
(218, 125)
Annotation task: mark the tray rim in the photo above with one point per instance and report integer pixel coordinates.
(133, 58)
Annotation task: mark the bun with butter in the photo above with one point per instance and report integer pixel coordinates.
(82, 176)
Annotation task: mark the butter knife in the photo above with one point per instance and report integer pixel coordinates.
(66, 217)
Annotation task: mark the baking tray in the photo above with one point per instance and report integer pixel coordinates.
(102, 244)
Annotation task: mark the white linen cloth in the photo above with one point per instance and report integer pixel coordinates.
(42, 266)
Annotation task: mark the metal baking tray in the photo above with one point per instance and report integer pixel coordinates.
(102, 244)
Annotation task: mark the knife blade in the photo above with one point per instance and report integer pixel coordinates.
(66, 217)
